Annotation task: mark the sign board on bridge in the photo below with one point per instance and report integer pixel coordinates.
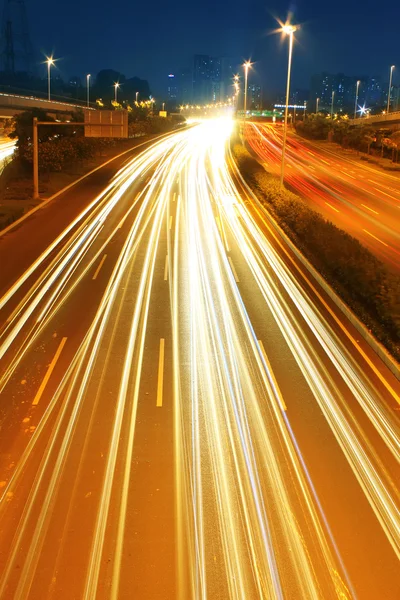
(106, 123)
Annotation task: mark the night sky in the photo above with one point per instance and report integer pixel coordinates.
(152, 39)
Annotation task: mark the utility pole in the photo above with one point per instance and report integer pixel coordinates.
(35, 159)
(16, 53)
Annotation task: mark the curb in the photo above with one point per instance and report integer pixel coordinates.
(376, 346)
(69, 186)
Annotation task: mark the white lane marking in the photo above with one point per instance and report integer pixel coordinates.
(166, 268)
(385, 194)
(99, 267)
(375, 238)
(371, 209)
(272, 374)
(332, 207)
(160, 373)
(49, 372)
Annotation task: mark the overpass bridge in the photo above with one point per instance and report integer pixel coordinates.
(391, 120)
(12, 104)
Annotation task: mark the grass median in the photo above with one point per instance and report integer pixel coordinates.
(359, 278)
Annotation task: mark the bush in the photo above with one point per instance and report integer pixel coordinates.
(361, 279)
(54, 155)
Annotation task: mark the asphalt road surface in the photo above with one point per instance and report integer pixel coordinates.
(362, 200)
(183, 412)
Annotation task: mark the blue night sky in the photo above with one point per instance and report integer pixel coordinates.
(151, 39)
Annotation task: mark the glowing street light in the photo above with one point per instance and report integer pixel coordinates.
(116, 86)
(355, 105)
(88, 89)
(246, 66)
(137, 96)
(287, 30)
(50, 63)
(390, 87)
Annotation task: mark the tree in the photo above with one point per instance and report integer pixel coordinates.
(395, 139)
(23, 126)
(315, 127)
(340, 131)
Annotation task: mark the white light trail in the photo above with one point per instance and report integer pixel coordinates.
(249, 522)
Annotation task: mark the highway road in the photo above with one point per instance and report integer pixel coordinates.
(7, 148)
(362, 200)
(183, 412)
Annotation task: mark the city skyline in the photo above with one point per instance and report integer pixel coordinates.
(231, 31)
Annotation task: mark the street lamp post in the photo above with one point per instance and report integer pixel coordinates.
(317, 107)
(356, 102)
(288, 30)
(163, 106)
(390, 88)
(88, 89)
(116, 86)
(137, 95)
(246, 66)
(50, 63)
(333, 99)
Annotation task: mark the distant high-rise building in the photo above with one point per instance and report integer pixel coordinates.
(344, 87)
(179, 88)
(254, 96)
(229, 67)
(213, 78)
(395, 96)
(209, 80)
(206, 79)
(373, 91)
(172, 88)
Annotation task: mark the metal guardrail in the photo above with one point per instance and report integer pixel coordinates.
(17, 101)
(392, 117)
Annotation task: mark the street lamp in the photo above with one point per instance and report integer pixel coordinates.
(163, 106)
(88, 89)
(116, 86)
(390, 87)
(287, 30)
(137, 96)
(50, 63)
(356, 102)
(333, 98)
(317, 105)
(246, 66)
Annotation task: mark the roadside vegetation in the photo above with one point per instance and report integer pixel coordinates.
(63, 146)
(379, 143)
(64, 154)
(359, 278)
